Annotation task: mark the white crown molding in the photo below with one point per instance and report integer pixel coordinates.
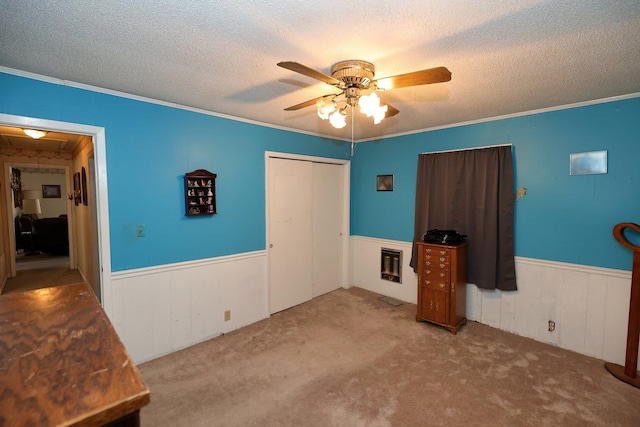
(69, 83)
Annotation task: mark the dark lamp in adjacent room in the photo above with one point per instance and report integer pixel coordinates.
(31, 207)
(31, 203)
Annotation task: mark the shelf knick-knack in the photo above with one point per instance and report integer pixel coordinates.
(200, 202)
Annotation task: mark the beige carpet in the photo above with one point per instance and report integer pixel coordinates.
(349, 359)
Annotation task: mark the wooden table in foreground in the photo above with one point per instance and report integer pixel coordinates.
(62, 364)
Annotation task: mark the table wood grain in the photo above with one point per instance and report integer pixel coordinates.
(62, 363)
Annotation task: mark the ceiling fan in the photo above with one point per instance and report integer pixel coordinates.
(352, 78)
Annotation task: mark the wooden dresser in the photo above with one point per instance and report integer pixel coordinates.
(62, 364)
(442, 280)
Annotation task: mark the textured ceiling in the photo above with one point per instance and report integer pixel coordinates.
(506, 57)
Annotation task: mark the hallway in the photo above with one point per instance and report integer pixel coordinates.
(41, 271)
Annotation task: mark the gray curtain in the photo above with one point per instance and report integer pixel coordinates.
(471, 191)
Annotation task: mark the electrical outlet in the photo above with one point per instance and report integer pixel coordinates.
(227, 315)
(140, 230)
(552, 326)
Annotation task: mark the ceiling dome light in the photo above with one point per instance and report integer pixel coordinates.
(337, 119)
(35, 134)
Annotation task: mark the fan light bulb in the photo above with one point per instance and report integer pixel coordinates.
(370, 106)
(325, 107)
(380, 114)
(337, 119)
(369, 103)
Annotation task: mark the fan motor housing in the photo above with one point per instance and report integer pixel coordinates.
(354, 73)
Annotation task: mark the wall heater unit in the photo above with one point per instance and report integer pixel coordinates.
(391, 265)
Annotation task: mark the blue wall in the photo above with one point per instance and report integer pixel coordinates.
(562, 218)
(149, 149)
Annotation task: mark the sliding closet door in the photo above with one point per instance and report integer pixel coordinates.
(327, 228)
(305, 202)
(290, 233)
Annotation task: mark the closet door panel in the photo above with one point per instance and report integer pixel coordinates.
(327, 227)
(290, 233)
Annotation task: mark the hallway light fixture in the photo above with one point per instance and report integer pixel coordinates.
(34, 133)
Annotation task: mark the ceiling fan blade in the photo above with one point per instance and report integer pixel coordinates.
(391, 111)
(310, 72)
(416, 78)
(305, 104)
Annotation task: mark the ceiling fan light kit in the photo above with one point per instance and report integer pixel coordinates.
(351, 78)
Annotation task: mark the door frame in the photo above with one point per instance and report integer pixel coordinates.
(346, 198)
(100, 188)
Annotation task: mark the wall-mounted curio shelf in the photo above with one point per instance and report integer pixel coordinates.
(200, 193)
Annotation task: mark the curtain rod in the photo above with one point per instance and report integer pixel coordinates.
(466, 149)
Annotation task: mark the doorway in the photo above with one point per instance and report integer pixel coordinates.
(307, 227)
(96, 215)
(40, 211)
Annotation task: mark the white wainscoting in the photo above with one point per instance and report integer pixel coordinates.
(589, 305)
(159, 310)
(365, 268)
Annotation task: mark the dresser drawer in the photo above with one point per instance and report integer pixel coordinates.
(436, 265)
(436, 251)
(437, 285)
(435, 274)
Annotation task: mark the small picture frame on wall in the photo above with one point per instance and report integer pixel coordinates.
(85, 198)
(77, 192)
(384, 183)
(51, 191)
(588, 163)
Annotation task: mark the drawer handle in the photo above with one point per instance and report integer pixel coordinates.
(427, 272)
(427, 256)
(428, 282)
(442, 274)
(443, 252)
(427, 263)
(428, 251)
(442, 285)
(443, 259)
(442, 265)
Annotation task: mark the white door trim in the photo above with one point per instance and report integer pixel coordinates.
(101, 189)
(346, 182)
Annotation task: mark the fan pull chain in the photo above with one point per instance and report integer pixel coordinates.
(352, 125)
